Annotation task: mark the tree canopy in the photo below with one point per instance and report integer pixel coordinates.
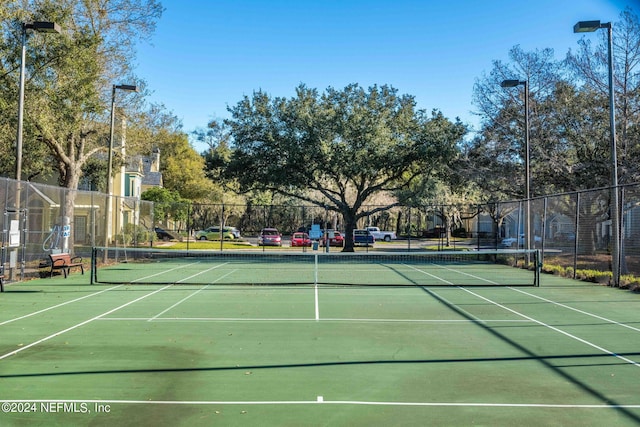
(339, 149)
(569, 117)
(69, 76)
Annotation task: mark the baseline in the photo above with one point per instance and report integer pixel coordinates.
(321, 401)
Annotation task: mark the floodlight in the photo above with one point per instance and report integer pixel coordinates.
(586, 26)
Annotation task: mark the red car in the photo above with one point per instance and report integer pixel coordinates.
(300, 239)
(335, 239)
(270, 236)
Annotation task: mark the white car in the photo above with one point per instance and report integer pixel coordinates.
(213, 233)
(510, 242)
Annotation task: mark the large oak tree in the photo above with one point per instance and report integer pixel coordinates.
(339, 149)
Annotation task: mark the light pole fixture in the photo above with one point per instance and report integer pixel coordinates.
(588, 27)
(127, 88)
(42, 27)
(527, 186)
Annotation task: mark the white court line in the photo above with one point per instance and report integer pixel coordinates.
(429, 291)
(466, 274)
(321, 401)
(164, 272)
(296, 319)
(468, 314)
(577, 310)
(453, 270)
(553, 328)
(11, 353)
(176, 304)
(192, 294)
(479, 404)
(317, 302)
(56, 306)
(429, 274)
(204, 271)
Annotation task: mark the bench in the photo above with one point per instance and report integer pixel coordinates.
(65, 263)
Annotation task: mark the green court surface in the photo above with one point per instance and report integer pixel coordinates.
(562, 354)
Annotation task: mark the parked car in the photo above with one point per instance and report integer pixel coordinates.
(213, 233)
(378, 234)
(435, 232)
(300, 239)
(335, 238)
(163, 234)
(459, 232)
(270, 237)
(363, 238)
(510, 242)
(565, 236)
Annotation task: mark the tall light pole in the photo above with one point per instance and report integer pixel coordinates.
(527, 172)
(43, 27)
(587, 27)
(128, 88)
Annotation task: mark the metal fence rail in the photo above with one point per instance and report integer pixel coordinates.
(572, 231)
(42, 219)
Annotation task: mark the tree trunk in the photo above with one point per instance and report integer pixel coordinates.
(349, 225)
(68, 208)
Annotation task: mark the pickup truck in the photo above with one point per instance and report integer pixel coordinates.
(363, 238)
(387, 236)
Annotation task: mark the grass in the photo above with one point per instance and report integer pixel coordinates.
(210, 245)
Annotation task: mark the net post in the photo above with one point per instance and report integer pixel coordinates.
(94, 253)
(537, 267)
(315, 269)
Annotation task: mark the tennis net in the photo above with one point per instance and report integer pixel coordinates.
(444, 268)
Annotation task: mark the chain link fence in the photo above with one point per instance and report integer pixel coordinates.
(573, 230)
(39, 220)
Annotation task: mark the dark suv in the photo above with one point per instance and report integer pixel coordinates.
(162, 234)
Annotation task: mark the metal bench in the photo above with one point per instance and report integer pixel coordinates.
(65, 263)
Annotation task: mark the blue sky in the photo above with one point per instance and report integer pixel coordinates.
(207, 54)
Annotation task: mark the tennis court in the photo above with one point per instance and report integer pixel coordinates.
(214, 353)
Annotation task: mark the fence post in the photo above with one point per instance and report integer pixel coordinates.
(478, 226)
(622, 260)
(545, 204)
(575, 241)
